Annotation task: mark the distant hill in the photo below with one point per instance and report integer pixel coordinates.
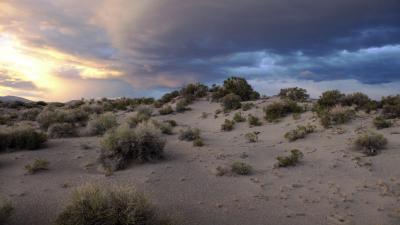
(13, 99)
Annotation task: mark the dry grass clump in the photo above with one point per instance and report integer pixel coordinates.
(294, 94)
(37, 165)
(166, 110)
(94, 204)
(62, 130)
(230, 102)
(253, 121)
(241, 168)
(300, 132)
(228, 125)
(189, 134)
(21, 137)
(291, 160)
(238, 118)
(99, 124)
(142, 143)
(371, 143)
(6, 211)
(277, 110)
(381, 123)
(252, 136)
(336, 115)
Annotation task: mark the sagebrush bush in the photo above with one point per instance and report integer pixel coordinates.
(252, 136)
(240, 87)
(173, 123)
(189, 134)
(238, 118)
(371, 143)
(94, 204)
(37, 165)
(294, 94)
(193, 91)
(166, 110)
(21, 137)
(30, 114)
(181, 105)
(330, 98)
(336, 115)
(218, 92)
(198, 142)
(230, 102)
(142, 143)
(168, 97)
(277, 110)
(228, 125)
(300, 132)
(164, 127)
(358, 99)
(144, 111)
(241, 168)
(247, 106)
(62, 130)
(253, 120)
(50, 116)
(391, 107)
(99, 124)
(291, 160)
(381, 123)
(6, 211)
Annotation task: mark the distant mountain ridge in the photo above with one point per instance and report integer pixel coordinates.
(13, 99)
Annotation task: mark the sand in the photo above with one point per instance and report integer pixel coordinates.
(333, 184)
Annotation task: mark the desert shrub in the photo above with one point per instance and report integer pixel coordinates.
(296, 116)
(198, 142)
(292, 160)
(294, 94)
(37, 165)
(240, 87)
(371, 143)
(173, 123)
(166, 110)
(238, 118)
(300, 132)
(119, 146)
(93, 108)
(230, 102)
(168, 97)
(164, 127)
(193, 91)
(253, 120)
(330, 98)
(336, 115)
(181, 105)
(30, 114)
(189, 134)
(61, 130)
(21, 137)
(277, 110)
(391, 107)
(94, 204)
(252, 136)
(241, 168)
(228, 125)
(247, 106)
(204, 115)
(358, 99)
(218, 92)
(100, 124)
(144, 111)
(6, 211)
(50, 116)
(381, 123)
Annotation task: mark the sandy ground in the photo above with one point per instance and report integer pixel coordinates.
(334, 184)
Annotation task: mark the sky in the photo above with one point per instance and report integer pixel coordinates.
(69, 49)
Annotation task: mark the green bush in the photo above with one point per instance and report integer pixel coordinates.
(189, 134)
(62, 130)
(371, 143)
(330, 99)
(228, 125)
(292, 160)
(252, 136)
(119, 146)
(99, 124)
(241, 168)
(381, 123)
(21, 137)
(51, 116)
(168, 97)
(253, 120)
(240, 87)
(164, 127)
(37, 165)
(198, 142)
(277, 110)
(94, 204)
(6, 211)
(358, 99)
(218, 92)
(391, 106)
(294, 94)
(336, 115)
(300, 132)
(166, 110)
(230, 102)
(193, 91)
(238, 118)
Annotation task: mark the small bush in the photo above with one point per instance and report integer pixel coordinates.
(252, 136)
(230, 102)
(198, 142)
(277, 110)
(193, 91)
(119, 146)
(168, 97)
(204, 115)
(381, 123)
(228, 125)
(391, 107)
(6, 211)
(300, 132)
(21, 137)
(189, 134)
(241, 168)
(247, 106)
(37, 165)
(166, 110)
(173, 123)
(336, 115)
(144, 111)
(294, 94)
(100, 124)
(92, 204)
(253, 121)
(30, 114)
(164, 127)
(330, 98)
(238, 118)
(371, 143)
(181, 106)
(61, 130)
(292, 160)
(240, 87)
